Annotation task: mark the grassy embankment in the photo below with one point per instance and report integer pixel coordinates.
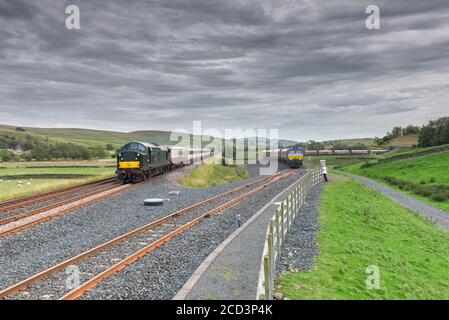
(209, 175)
(425, 177)
(13, 186)
(337, 161)
(361, 228)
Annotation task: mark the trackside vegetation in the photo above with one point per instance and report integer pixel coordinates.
(209, 175)
(359, 229)
(425, 177)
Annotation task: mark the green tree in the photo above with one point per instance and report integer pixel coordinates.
(6, 155)
(435, 133)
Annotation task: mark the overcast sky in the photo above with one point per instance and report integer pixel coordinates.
(309, 68)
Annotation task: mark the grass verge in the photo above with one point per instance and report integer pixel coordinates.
(360, 228)
(425, 178)
(209, 175)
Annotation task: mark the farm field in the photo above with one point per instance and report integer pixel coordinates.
(361, 228)
(68, 163)
(56, 171)
(11, 189)
(209, 175)
(18, 179)
(425, 177)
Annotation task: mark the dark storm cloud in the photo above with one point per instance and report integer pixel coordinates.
(309, 68)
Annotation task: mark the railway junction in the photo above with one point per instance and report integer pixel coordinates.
(100, 241)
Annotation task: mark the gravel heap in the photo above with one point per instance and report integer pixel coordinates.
(300, 247)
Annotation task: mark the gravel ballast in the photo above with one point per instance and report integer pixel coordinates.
(300, 246)
(44, 245)
(160, 274)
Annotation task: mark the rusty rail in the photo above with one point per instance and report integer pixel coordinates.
(30, 200)
(42, 275)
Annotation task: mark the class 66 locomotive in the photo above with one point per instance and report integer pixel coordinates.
(137, 161)
(293, 156)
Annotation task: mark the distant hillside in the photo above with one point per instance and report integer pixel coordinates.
(403, 141)
(265, 141)
(369, 142)
(84, 137)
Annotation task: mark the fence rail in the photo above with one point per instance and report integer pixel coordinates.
(277, 229)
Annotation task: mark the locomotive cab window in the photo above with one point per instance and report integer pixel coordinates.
(134, 147)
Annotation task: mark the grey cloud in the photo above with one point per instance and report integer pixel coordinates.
(309, 68)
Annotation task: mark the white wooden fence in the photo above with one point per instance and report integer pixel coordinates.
(277, 229)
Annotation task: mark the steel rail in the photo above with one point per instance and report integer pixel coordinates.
(30, 200)
(42, 275)
(54, 205)
(93, 282)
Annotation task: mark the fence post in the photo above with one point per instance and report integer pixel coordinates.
(282, 220)
(286, 211)
(295, 200)
(270, 263)
(277, 230)
(267, 282)
(271, 226)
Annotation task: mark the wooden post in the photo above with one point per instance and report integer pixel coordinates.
(277, 230)
(266, 266)
(271, 261)
(286, 211)
(282, 221)
(271, 231)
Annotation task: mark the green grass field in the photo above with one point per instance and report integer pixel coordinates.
(209, 175)
(361, 228)
(44, 171)
(13, 187)
(337, 161)
(412, 176)
(59, 163)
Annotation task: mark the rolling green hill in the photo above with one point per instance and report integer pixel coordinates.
(369, 142)
(87, 137)
(403, 141)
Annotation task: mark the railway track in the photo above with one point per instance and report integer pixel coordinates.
(128, 248)
(25, 220)
(23, 202)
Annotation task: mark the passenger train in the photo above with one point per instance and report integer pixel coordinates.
(138, 161)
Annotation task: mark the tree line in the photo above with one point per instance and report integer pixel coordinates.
(57, 151)
(398, 132)
(434, 133)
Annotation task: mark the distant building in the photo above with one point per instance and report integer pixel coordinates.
(17, 149)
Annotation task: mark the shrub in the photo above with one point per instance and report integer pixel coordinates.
(440, 197)
(432, 179)
(423, 191)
